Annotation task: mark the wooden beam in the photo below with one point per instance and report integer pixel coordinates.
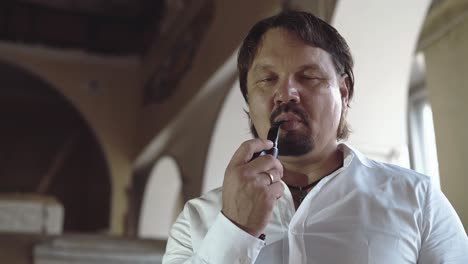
(175, 22)
(172, 52)
(114, 8)
(29, 23)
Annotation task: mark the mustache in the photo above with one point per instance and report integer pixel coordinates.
(290, 107)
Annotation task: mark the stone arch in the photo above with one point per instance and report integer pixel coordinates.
(162, 199)
(49, 148)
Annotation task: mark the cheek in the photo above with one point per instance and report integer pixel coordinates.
(260, 115)
(326, 110)
(336, 109)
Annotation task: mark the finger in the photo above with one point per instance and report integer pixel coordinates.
(276, 189)
(270, 179)
(247, 149)
(265, 163)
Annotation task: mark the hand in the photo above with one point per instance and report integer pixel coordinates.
(248, 194)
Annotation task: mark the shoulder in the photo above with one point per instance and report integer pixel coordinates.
(196, 218)
(205, 207)
(209, 199)
(398, 182)
(390, 171)
(401, 174)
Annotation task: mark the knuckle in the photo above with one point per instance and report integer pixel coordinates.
(278, 164)
(270, 159)
(249, 146)
(246, 145)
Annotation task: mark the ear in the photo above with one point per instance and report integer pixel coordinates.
(344, 90)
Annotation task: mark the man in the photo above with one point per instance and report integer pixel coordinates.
(321, 201)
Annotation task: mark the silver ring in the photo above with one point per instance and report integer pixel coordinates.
(272, 179)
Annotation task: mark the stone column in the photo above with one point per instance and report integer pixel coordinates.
(445, 45)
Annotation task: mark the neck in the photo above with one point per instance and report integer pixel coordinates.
(302, 170)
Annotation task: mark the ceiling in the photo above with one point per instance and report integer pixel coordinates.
(107, 27)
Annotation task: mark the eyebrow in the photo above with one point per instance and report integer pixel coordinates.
(310, 66)
(266, 66)
(261, 67)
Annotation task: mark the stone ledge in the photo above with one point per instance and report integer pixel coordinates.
(30, 213)
(93, 249)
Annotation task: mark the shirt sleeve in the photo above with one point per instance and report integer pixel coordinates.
(443, 238)
(223, 243)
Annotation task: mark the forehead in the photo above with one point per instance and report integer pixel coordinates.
(282, 48)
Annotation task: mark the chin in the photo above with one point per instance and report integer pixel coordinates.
(294, 144)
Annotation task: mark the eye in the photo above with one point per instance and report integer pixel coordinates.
(267, 79)
(308, 77)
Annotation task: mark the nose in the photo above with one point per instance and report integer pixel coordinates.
(287, 92)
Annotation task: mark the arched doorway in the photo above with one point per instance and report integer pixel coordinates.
(48, 148)
(162, 199)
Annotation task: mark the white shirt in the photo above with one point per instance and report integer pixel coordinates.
(365, 212)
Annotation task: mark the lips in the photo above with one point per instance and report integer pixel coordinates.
(289, 121)
(285, 117)
(290, 115)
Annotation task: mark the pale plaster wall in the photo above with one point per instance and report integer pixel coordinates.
(383, 47)
(232, 128)
(447, 82)
(110, 108)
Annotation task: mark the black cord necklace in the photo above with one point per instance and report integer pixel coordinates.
(303, 190)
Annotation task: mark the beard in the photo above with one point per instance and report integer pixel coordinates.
(297, 143)
(293, 143)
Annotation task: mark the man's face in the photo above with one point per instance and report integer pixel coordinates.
(293, 82)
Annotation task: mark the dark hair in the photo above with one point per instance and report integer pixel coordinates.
(310, 29)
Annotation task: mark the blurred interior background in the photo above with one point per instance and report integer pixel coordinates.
(113, 113)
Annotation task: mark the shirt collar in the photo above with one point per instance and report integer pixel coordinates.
(349, 153)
